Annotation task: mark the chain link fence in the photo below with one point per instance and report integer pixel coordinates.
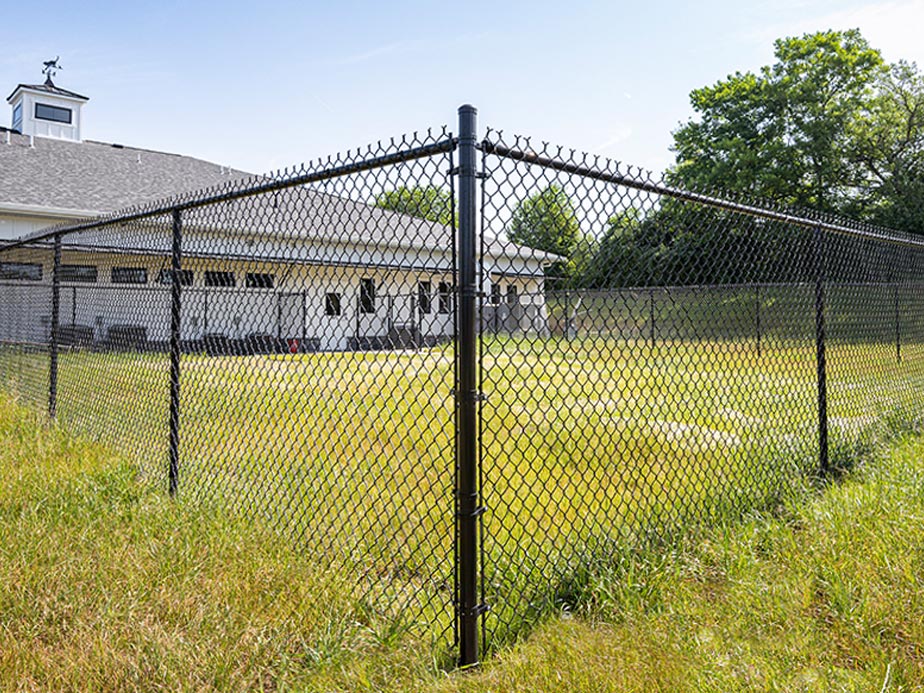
(698, 357)
(467, 372)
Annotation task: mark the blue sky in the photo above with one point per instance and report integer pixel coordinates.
(263, 85)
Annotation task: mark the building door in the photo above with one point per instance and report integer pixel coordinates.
(290, 323)
(372, 307)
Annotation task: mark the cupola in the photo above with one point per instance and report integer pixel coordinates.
(46, 110)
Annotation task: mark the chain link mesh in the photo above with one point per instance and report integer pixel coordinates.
(650, 359)
(664, 372)
(316, 358)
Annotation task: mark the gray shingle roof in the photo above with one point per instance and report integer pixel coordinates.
(95, 176)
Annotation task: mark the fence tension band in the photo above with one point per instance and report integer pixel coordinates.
(481, 175)
(476, 611)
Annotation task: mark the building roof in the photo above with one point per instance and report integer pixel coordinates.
(91, 178)
(50, 177)
(49, 88)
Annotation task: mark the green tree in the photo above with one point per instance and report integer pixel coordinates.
(786, 133)
(621, 257)
(888, 148)
(425, 202)
(547, 221)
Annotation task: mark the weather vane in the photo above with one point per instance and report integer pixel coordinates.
(51, 68)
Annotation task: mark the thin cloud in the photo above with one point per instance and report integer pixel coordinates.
(623, 133)
(405, 47)
(893, 26)
(398, 47)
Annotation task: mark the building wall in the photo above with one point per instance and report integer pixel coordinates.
(14, 226)
(293, 309)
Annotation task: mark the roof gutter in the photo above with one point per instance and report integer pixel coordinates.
(43, 211)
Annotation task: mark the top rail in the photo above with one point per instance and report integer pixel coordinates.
(179, 204)
(687, 196)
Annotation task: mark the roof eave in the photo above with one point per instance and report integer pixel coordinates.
(18, 209)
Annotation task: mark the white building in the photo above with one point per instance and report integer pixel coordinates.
(299, 268)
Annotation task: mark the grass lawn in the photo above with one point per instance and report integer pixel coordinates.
(106, 584)
(587, 446)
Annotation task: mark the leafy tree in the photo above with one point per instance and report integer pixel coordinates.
(678, 243)
(829, 125)
(787, 132)
(547, 221)
(888, 147)
(621, 255)
(425, 202)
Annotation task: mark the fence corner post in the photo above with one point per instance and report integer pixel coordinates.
(55, 330)
(467, 491)
(175, 309)
(820, 353)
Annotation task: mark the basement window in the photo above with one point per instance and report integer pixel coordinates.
(129, 275)
(219, 278)
(332, 304)
(258, 280)
(165, 277)
(55, 114)
(25, 271)
(83, 274)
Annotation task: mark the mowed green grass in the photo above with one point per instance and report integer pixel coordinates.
(587, 446)
(107, 584)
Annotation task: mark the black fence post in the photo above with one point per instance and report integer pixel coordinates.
(55, 322)
(467, 490)
(757, 314)
(176, 286)
(820, 355)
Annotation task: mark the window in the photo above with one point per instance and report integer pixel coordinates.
(423, 298)
(495, 294)
(54, 113)
(21, 270)
(331, 304)
(512, 298)
(366, 295)
(165, 277)
(219, 278)
(85, 274)
(445, 298)
(129, 275)
(17, 116)
(256, 280)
